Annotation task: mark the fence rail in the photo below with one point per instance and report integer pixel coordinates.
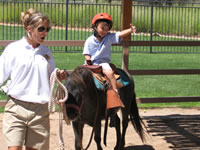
(123, 43)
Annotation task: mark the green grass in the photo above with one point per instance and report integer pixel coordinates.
(166, 86)
(152, 85)
(136, 60)
(3, 96)
(170, 105)
(1, 109)
(162, 61)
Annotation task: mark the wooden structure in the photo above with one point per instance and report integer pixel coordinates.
(126, 20)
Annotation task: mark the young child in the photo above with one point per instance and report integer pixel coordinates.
(97, 48)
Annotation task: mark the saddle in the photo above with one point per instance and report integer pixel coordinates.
(113, 100)
(100, 80)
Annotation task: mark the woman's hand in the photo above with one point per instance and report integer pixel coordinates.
(61, 75)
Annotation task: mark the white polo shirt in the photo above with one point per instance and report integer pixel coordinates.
(29, 70)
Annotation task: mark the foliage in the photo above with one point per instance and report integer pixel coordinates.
(166, 20)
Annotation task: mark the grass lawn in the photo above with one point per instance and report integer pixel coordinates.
(154, 85)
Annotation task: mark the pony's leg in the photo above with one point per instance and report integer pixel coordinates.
(97, 136)
(124, 127)
(78, 133)
(118, 133)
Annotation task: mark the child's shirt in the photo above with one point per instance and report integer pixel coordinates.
(100, 52)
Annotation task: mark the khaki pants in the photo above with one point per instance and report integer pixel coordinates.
(26, 124)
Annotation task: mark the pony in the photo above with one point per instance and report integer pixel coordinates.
(86, 104)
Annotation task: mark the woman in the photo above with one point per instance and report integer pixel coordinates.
(29, 65)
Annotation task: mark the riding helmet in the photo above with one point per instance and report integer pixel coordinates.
(102, 17)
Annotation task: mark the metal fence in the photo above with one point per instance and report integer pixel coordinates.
(71, 20)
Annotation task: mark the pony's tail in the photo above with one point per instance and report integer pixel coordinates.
(137, 122)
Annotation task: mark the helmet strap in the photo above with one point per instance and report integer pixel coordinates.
(96, 33)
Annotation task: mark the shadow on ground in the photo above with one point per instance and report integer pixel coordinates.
(182, 131)
(139, 147)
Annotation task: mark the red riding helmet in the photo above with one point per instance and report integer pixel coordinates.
(102, 16)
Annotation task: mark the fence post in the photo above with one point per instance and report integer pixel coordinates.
(126, 20)
(66, 23)
(151, 31)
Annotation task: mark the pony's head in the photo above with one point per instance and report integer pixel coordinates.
(81, 89)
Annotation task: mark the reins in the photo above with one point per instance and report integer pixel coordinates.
(60, 96)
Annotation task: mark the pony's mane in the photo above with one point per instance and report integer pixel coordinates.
(83, 75)
(81, 85)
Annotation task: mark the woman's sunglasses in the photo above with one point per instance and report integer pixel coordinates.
(42, 29)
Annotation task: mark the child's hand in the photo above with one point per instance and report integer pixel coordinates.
(88, 62)
(133, 28)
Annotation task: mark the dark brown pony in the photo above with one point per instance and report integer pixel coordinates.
(87, 105)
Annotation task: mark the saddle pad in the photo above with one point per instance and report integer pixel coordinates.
(122, 80)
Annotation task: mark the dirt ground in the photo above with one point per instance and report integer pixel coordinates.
(169, 129)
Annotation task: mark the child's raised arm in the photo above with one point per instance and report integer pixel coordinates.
(126, 32)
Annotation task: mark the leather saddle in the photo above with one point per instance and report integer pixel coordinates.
(113, 100)
(98, 74)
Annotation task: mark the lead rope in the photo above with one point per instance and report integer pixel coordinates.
(61, 92)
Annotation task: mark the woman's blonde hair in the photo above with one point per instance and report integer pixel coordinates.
(33, 18)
